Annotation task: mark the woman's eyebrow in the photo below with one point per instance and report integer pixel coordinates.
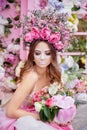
(42, 50)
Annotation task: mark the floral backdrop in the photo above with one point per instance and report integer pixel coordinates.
(71, 66)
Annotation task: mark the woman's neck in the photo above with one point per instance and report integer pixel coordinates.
(41, 71)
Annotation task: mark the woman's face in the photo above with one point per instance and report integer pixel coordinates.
(42, 55)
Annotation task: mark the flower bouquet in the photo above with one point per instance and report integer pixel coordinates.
(54, 105)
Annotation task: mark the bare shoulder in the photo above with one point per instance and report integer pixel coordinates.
(31, 75)
(28, 82)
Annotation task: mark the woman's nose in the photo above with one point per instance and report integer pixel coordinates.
(42, 56)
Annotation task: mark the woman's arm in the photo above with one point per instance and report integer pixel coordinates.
(23, 90)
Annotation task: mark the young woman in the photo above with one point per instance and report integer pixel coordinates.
(40, 70)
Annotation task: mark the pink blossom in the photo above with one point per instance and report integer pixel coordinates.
(46, 95)
(36, 97)
(28, 37)
(80, 86)
(43, 3)
(45, 33)
(35, 33)
(50, 102)
(54, 38)
(44, 90)
(65, 115)
(85, 17)
(58, 45)
(3, 4)
(11, 58)
(64, 102)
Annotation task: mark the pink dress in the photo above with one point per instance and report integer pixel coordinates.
(27, 122)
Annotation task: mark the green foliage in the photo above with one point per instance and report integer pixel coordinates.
(7, 31)
(48, 114)
(9, 20)
(16, 18)
(11, 1)
(75, 8)
(77, 45)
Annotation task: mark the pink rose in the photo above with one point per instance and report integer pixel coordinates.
(28, 37)
(35, 33)
(50, 102)
(45, 33)
(58, 45)
(55, 37)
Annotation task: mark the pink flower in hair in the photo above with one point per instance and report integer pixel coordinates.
(58, 45)
(35, 33)
(54, 38)
(45, 33)
(28, 37)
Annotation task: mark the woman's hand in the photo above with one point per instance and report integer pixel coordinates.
(36, 116)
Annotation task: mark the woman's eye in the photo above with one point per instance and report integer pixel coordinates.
(48, 53)
(37, 53)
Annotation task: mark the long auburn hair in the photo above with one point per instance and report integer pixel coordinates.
(53, 68)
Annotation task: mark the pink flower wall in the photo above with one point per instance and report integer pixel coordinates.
(12, 50)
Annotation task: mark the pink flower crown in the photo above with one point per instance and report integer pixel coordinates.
(44, 34)
(46, 26)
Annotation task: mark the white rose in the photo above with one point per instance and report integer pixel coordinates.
(38, 106)
(53, 89)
